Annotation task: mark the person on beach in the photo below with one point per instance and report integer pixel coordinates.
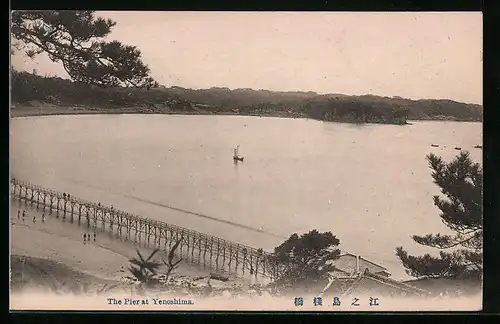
(84, 238)
(43, 218)
(34, 219)
(24, 213)
(18, 214)
(95, 234)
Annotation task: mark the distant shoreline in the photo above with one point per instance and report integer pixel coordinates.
(33, 95)
(27, 111)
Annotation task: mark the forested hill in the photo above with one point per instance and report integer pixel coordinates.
(329, 106)
(28, 88)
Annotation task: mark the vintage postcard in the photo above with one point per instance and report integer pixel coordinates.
(307, 161)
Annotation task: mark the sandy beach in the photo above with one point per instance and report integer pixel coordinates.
(46, 109)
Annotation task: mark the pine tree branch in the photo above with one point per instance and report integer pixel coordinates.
(66, 36)
(445, 241)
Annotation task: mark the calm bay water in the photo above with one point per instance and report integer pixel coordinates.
(369, 185)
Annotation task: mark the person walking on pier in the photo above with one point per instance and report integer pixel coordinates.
(84, 238)
(24, 214)
(34, 219)
(43, 218)
(18, 214)
(95, 234)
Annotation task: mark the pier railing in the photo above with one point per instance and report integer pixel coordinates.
(208, 251)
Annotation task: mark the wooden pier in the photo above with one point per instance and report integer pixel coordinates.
(205, 250)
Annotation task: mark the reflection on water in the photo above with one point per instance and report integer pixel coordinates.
(368, 184)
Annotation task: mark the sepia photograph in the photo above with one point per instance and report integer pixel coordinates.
(246, 161)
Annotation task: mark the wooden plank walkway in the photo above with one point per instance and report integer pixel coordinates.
(205, 250)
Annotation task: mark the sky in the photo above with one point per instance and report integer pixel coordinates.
(412, 55)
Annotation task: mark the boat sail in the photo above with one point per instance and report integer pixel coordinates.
(236, 155)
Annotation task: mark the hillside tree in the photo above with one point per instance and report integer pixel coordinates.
(304, 261)
(76, 38)
(461, 253)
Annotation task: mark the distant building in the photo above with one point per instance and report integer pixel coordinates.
(367, 283)
(202, 106)
(355, 275)
(349, 264)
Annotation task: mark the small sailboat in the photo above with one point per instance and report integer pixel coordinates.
(236, 156)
